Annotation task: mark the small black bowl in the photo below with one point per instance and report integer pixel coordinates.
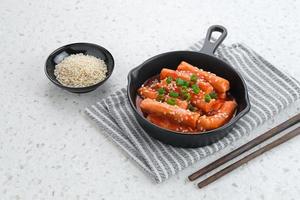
(85, 48)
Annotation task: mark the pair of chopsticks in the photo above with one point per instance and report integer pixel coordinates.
(251, 144)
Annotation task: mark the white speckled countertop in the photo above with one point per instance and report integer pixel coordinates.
(50, 150)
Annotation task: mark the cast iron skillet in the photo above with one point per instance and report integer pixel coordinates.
(204, 59)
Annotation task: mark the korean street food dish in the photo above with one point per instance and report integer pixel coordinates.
(186, 100)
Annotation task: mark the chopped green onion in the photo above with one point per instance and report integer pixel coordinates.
(186, 84)
(171, 101)
(187, 96)
(161, 91)
(196, 89)
(169, 80)
(160, 97)
(181, 82)
(213, 95)
(193, 78)
(173, 94)
(207, 98)
(184, 88)
(183, 91)
(191, 108)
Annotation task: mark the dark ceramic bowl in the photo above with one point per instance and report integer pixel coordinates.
(85, 48)
(206, 60)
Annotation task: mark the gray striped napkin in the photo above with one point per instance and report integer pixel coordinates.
(270, 91)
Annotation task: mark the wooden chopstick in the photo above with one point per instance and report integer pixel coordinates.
(256, 141)
(249, 157)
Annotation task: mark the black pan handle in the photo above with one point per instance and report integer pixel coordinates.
(210, 47)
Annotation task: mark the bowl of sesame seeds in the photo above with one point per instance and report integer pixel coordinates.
(79, 67)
